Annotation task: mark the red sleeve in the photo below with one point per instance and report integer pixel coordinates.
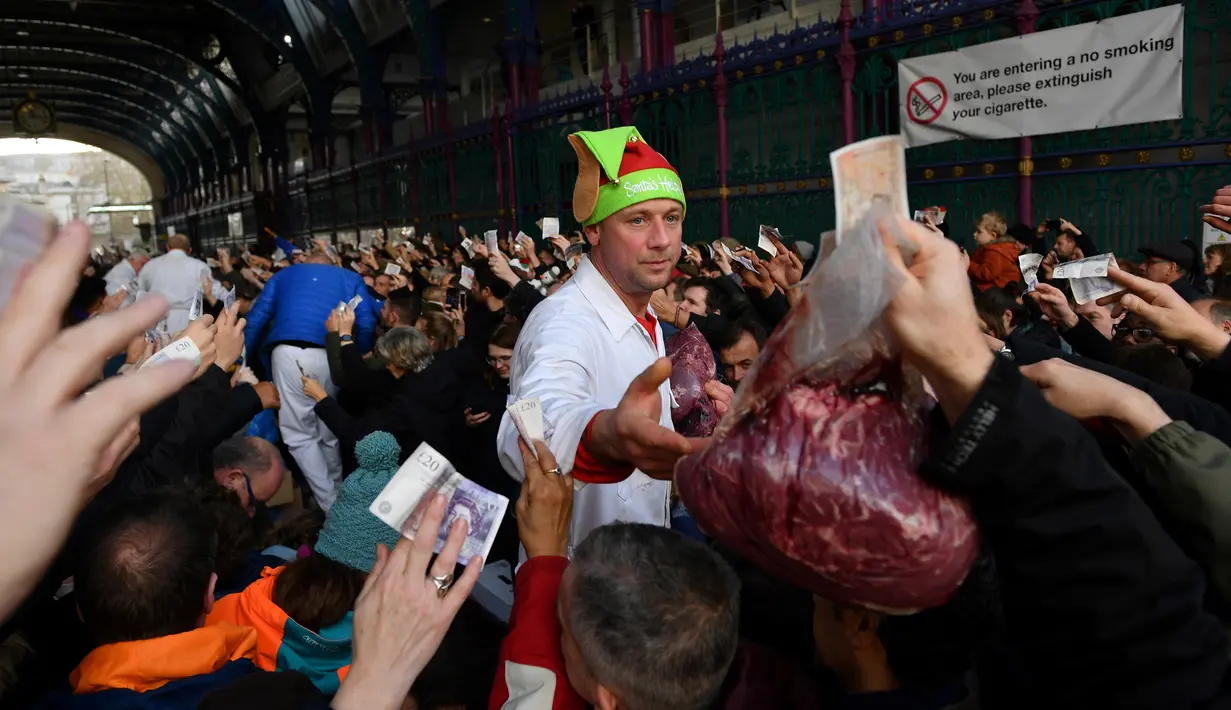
(533, 643)
(588, 469)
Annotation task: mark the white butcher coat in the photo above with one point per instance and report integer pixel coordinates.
(578, 352)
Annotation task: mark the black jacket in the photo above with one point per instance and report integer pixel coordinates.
(422, 406)
(1099, 603)
(1202, 414)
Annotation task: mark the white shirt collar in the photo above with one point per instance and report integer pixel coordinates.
(606, 301)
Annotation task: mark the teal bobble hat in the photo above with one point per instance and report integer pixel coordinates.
(351, 532)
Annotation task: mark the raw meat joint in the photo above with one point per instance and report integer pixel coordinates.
(692, 365)
(812, 475)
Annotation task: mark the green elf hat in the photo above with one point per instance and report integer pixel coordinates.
(617, 169)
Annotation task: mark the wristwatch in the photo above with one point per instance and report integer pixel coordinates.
(347, 338)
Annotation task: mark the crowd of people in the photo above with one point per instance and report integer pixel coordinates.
(197, 532)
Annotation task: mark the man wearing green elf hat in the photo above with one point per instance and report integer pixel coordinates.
(593, 352)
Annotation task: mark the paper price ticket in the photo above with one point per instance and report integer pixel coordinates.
(407, 496)
(491, 242)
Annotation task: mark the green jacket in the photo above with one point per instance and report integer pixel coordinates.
(1190, 473)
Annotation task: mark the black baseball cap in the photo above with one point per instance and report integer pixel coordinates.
(1178, 252)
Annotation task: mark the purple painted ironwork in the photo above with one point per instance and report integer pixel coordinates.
(626, 102)
(720, 99)
(647, 40)
(846, 63)
(606, 87)
(1026, 17)
(666, 39)
(496, 147)
(508, 136)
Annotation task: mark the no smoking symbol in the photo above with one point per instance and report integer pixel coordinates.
(925, 100)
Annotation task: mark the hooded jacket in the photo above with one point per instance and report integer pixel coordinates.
(173, 672)
(281, 643)
(995, 264)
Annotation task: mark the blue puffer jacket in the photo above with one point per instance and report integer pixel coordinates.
(296, 302)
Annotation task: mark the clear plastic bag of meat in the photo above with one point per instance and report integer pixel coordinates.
(812, 475)
(692, 365)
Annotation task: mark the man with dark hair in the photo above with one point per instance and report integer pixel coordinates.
(632, 587)
(250, 466)
(739, 345)
(703, 296)
(144, 584)
(487, 309)
(642, 618)
(401, 308)
(381, 286)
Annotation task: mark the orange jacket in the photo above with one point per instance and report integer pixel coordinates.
(282, 644)
(995, 264)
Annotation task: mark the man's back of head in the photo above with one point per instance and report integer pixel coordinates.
(318, 258)
(654, 616)
(147, 571)
(179, 241)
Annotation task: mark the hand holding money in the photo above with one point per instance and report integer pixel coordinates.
(229, 337)
(545, 508)
(1169, 314)
(401, 615)
(201, 332)
(1055, 306)
(1088, 277)
(57, 439)
(403, 502)
(933, 315)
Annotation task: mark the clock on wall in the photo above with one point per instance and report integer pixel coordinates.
(34, 117)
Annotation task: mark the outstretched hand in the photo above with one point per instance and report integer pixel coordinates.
(401, 617)
(1168, 313)
(43, 372)
(631, 433)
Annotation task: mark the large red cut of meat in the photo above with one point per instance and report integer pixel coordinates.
(812, 474)
(692, 365)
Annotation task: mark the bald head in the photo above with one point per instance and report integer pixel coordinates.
(245, 462)
(179, 241)
(317, 258)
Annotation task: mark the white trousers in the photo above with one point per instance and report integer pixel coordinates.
(314, 447)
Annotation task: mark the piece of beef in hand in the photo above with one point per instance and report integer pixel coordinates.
(819, 488)
(692, 365)
(811, 475)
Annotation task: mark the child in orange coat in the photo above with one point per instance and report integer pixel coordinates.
(994, 263)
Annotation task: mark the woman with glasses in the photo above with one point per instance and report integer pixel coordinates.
(484, 401)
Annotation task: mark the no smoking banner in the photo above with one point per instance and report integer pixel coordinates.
(926, 100)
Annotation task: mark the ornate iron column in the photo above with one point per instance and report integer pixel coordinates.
(645, 10)
(846, 63)
(720, 98)
(626, 102)
(1027, 15)
(497, 141)
(666, 33)
(606, 87)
